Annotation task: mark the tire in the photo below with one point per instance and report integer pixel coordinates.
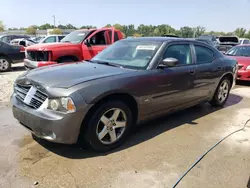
(221, 95)
(95, 126)
(5, 64)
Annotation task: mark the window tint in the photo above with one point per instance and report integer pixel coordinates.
(98, 39)
(203, 55)
(182, 52)
(245, 41)
(60, 37)
(116, 38)
(50, 39)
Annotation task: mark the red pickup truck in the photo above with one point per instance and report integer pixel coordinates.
(77, 46)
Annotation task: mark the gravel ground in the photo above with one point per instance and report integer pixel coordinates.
(7, 79)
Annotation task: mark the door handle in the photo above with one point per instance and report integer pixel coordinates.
(192, 72)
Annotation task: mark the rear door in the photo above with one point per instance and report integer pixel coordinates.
(207, 71)
(99, 40)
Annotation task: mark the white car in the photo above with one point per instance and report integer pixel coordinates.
(22, 42)
(52, 38)
(244, 41)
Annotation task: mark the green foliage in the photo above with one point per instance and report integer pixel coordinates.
(1, 26)
(56, 31)
(31, 30)
(144, 30)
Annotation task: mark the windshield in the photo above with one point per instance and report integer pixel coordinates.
(76, 36)
(239, 51)
(129, 54)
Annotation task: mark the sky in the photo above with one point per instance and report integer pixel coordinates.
(218, 15)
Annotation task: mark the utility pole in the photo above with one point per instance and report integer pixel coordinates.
(54, 18)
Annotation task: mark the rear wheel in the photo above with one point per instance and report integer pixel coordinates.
(108, 127)
(221, 93)
(5, 64)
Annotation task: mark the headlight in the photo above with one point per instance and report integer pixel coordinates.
(64, 104)
(248, 67)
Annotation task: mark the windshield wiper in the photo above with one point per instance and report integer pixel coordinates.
(107, 63)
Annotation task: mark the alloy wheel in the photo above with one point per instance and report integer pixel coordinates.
(111, 126)
(4, 64)
(223, 91)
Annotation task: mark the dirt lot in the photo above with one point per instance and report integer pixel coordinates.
(155, 156)
(7, 79)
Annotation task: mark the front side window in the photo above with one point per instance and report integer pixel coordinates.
(50, 39)
(129, 54)
(98, 39)
(239, 51)
(203, 54)
(181, 52)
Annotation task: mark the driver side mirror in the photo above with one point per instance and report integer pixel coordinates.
(87, 42)
(168, 62)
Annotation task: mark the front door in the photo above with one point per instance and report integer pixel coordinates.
(99, 40)
(173, 86)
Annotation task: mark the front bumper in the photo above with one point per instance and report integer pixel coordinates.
(35, 64)
(47, 124)
(243, 75)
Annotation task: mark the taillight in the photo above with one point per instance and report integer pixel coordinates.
(22, 49)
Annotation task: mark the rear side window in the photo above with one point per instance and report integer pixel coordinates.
(245, 41)
(116, 38)
(203, 54)
(60, 37)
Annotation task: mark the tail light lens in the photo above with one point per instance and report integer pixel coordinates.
(22, 49)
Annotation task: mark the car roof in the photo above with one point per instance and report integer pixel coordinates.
(159, 39)
(164, 39)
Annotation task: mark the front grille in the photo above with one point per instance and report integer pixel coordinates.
(30, 95)
(37, 55)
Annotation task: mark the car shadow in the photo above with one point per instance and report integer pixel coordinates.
(18, 68)
(143, 132)
(243, 83)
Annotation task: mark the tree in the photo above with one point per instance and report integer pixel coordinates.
(46, 26)
(199, 31)
(1, 26)
(56, 31)
(31, 30)
(88, 27)
(240, 32)
(186, 32)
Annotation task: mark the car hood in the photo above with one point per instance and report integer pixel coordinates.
(51, 46)
(70, 74)
(241, 60)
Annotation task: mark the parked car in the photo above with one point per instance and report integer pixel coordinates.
(77, 46)
(227, 42)
(9, 37)
(22, 42)
(211, 38)
(242, 54)
(37, 39)
(244, 41)
(10, 54)
(52, 39)
(133, 80)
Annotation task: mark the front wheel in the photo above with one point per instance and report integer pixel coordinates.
(108, 126)
(221, 93)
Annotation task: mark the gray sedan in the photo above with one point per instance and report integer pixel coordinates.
(99, 102)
